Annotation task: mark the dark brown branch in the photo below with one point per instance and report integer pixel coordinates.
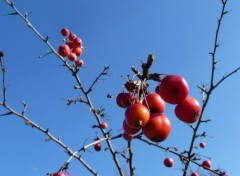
(74, 73)
(208, 92)
(216, 45)
(3, 79)
(130, 159)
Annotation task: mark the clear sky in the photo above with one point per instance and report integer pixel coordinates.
(118, 34)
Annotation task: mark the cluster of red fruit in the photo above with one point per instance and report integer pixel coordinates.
(72, 48)
(146, 113)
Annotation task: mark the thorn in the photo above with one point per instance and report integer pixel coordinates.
(1, 54)
(106, 67)
(27, 14)
(48, 52)
(10, 14)
(12, 4)
(46, 40)
(109, 96)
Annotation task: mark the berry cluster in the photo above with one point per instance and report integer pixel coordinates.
(174, 89)
(72, 48)
(146, 112)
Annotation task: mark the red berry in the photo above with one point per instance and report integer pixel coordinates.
(127, 136)
(194, 174)
(103, 125)
(137, 116)
(168, 162)
(127, 99)
(173, 89)
(64, 50)
(79, 63)
(77, 42)
(78, 51)
(59, 174)
(119, 99)
(202, 144)
(188, 110)
(206, 164)
(98, 146)
(72, 37)
(128, 129)
(65, 32)
(72, 57)
(157, 128)
(154, 103)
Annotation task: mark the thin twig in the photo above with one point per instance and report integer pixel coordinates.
(3, 80)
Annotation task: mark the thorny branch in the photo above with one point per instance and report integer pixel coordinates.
(35, 125)
(130, 160)
(207, 92)
(3, 78)
(74, 71)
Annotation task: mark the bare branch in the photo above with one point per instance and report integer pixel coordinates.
(74, 71)
(207, 93)
(104, 72)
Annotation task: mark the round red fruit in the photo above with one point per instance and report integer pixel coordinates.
(77, 50)
(173, 89)
(202, 144)
(59, 174)
(194, 174)
(188, 110)
(127, 99)
(98, 146)
(157, 128)
(103, 125)
(128, 129)
(119, 100)
(79, 63)
(206, 164)
(77, 42)
(154, 103)
(72, 57)
(168, 162)
(64, 50)
(127, 136)
(72, 37)
(65, 32)
(137, 116)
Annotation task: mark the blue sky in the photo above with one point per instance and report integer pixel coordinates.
(118, 34)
